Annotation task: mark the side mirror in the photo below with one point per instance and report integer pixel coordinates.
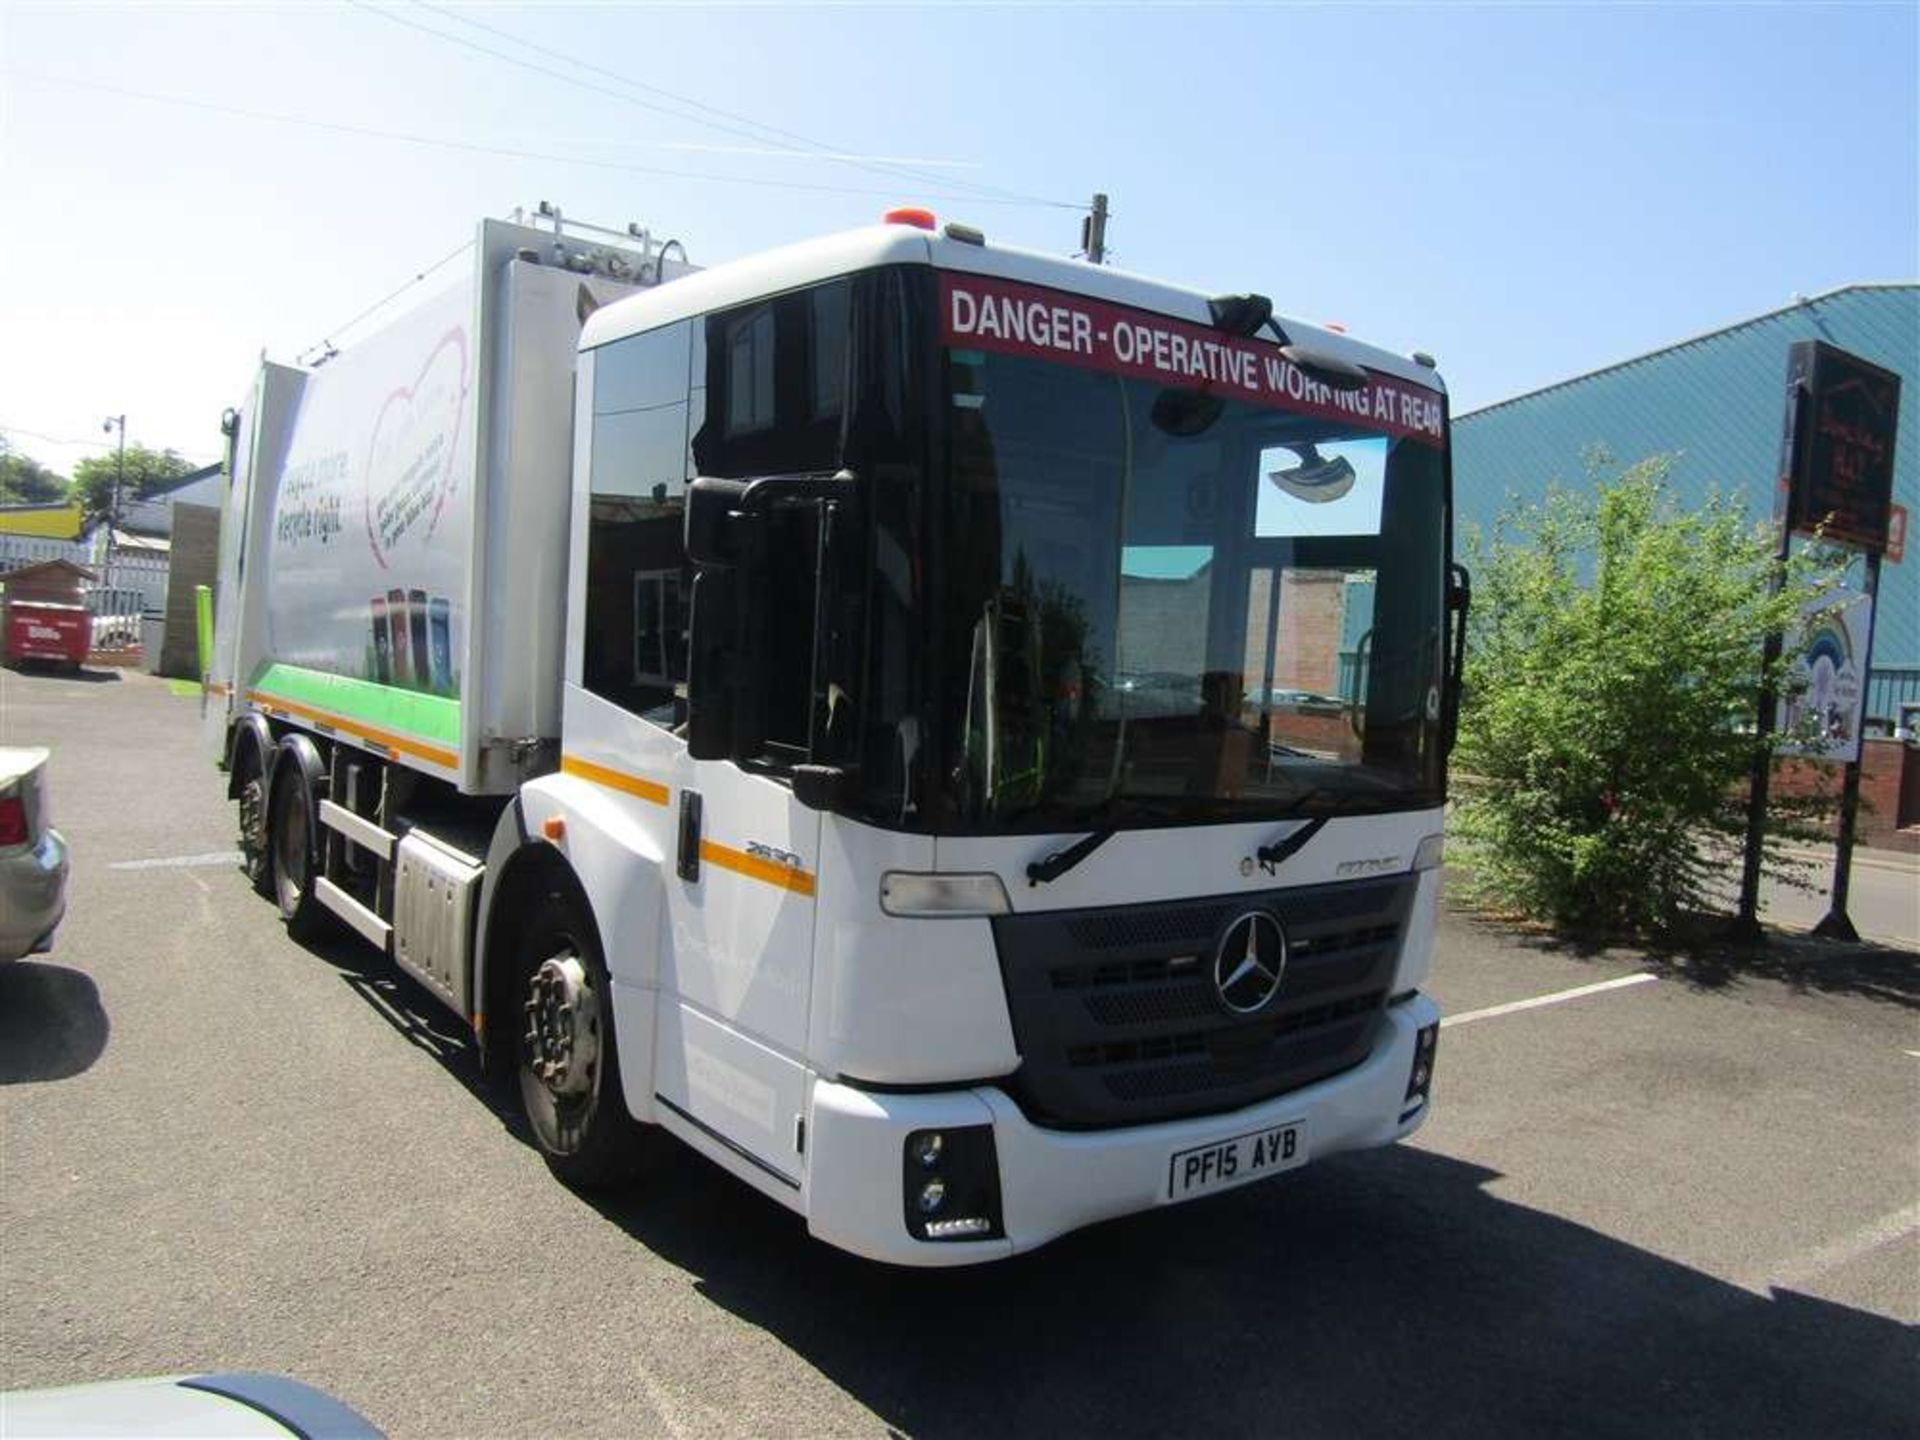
(726, 709)
(730, 530)
(718, 529)
(819, 787)
(709, 697)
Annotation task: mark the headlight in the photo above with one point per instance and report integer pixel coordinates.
(942, 897)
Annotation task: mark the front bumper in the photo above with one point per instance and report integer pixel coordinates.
(33, 896)
(1053, 1181)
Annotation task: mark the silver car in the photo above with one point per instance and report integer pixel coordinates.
(33, 856)
(227, 1405)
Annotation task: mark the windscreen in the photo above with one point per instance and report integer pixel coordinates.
(1192, 582)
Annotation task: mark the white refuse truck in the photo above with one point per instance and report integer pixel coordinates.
(955, 736)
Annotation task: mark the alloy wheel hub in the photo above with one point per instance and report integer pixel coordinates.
(252, 817)
(563, 1032)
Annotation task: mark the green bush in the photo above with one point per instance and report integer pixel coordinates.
(1606, 731)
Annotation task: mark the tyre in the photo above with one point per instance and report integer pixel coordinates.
(291, 819)
(569, 1066)
(252, 786)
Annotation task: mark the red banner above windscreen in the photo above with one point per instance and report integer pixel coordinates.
(980, 313)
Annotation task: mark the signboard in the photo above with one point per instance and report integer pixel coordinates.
(979, 313)
(373, 514)
(1826, 685)
(1842, 417)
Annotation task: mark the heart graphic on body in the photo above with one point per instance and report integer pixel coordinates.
(410, 457)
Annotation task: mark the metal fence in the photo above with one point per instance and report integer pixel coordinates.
(140, 572)
(19, 551)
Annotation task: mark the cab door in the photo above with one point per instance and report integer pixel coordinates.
(737, 977)
(737, 981)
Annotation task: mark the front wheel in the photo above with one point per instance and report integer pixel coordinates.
(569, 1065)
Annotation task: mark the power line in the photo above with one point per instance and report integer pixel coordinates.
(446, 259)
(819, 149)
(52, 439)
(470, 147)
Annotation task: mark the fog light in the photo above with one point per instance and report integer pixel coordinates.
(959, 1229)
(951, 1184)
(1424, 1047)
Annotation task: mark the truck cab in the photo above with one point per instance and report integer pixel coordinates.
(1003, 739)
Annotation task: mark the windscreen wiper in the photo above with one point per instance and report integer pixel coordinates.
(1045, 872)
(1272, 857)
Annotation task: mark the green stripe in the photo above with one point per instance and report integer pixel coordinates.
(384, 707)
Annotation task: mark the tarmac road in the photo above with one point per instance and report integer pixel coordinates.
(1680, 1204)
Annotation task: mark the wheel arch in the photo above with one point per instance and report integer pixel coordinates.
(310, 769)
(249, 731)
(519, 868)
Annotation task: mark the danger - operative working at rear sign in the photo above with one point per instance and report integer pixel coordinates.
(1015, 319)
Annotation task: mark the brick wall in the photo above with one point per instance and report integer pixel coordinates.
(1889, 789)
(1312, 615)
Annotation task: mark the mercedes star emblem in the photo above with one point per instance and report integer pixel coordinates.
(1247, 966)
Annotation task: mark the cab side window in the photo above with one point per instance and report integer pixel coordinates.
(775, 382)
(775, 396)
(637, 573)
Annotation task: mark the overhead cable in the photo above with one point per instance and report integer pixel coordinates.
(473, 147)
(447, 259)
(729, 122)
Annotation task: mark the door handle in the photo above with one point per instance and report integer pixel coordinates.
(687, 863)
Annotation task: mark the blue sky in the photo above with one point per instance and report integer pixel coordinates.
(1525, 191)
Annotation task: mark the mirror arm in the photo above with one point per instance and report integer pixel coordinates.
(1459, 602)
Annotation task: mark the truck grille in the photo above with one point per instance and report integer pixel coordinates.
(1118, 1023)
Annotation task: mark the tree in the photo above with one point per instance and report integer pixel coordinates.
(1606, 727)
(146, 471)
(25, 481)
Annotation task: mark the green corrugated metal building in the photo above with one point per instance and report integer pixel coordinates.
(1715, 403)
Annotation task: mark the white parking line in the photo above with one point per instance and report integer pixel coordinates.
(1896, 1225)
(1619, 983)
(180, 862)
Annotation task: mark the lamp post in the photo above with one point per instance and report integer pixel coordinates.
(119, 477)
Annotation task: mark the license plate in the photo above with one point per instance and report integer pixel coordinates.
(1226, 1163)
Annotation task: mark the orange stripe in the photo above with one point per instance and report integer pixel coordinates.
(395, 745)
(646, 789)
(787, 877)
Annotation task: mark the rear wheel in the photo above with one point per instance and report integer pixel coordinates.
(292, 821)
(251, 784)
(568, 1062)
